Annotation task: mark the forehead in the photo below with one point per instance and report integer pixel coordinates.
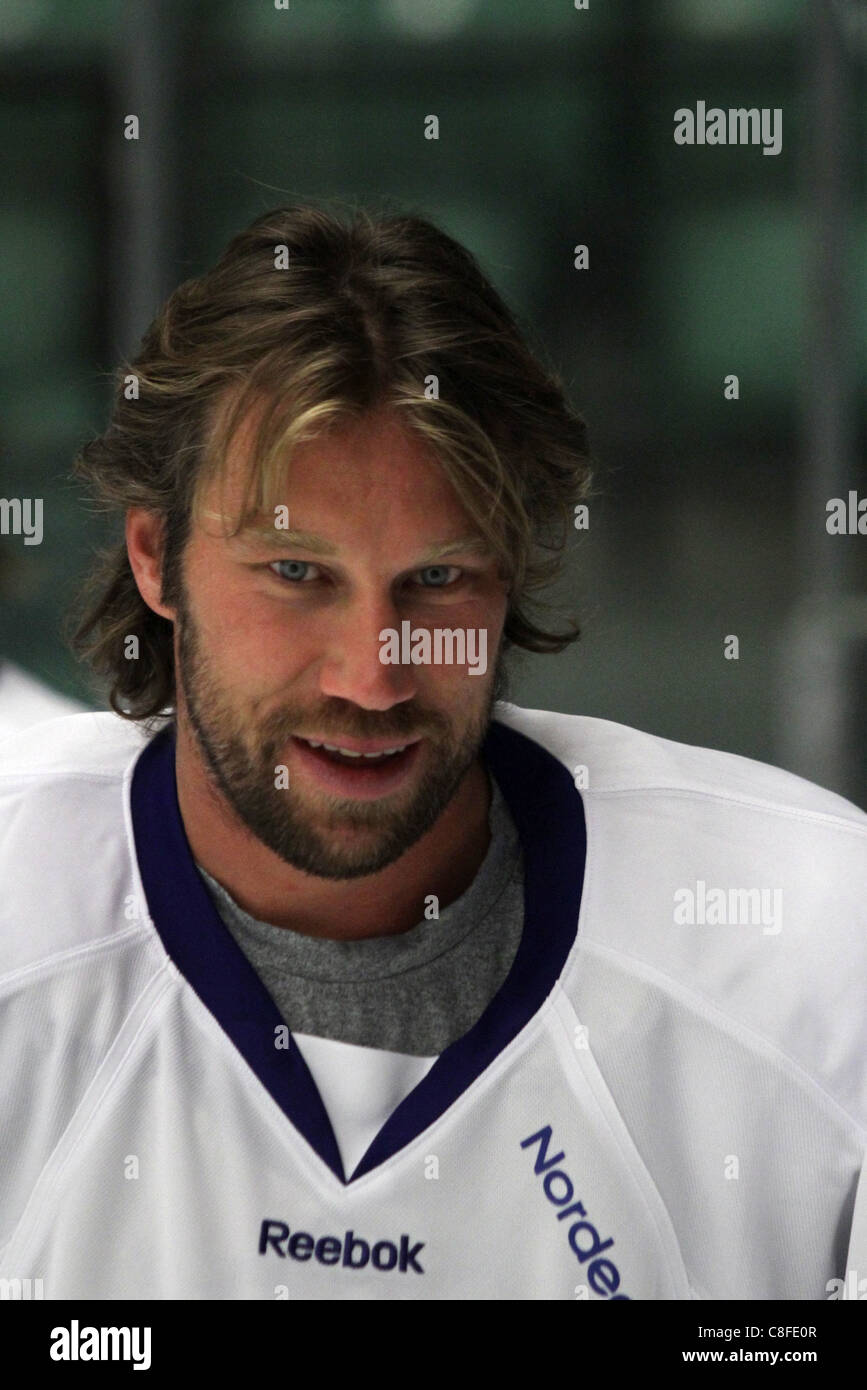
(377, 465)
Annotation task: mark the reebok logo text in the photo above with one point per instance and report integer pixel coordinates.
(351, 1251)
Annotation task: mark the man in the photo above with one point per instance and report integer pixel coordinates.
(328, 974)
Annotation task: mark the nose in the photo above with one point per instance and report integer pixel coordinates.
(352, 669)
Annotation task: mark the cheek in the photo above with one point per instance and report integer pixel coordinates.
(463, 687)
(240, 638)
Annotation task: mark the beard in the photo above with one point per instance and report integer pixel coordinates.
(316, 831)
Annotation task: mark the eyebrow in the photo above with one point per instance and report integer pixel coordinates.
(280, 539)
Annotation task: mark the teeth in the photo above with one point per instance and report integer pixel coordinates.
(351, 753)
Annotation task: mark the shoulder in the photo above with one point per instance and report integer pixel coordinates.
(617, 759)
(66, 854)
(24, 700)
(77, 963)
(720, 892)
(73, 744)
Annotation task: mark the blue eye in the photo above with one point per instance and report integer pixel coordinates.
(441, 571)
(293, 565)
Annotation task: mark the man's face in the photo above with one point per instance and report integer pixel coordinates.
(277, 642)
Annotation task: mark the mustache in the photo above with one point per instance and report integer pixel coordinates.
(355, 723)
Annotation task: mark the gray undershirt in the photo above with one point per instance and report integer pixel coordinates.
(416, 992)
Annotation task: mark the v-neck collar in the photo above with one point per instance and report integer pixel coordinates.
(549, 816)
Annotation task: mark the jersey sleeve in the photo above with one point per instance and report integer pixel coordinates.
(58, 1024)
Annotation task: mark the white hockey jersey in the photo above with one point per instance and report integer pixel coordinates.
(24, 700)
(667, 1098)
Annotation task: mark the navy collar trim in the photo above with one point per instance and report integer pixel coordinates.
(549, 815)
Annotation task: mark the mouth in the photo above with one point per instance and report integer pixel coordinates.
(352, 768)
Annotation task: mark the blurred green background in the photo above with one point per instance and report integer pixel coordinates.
(556, 128)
